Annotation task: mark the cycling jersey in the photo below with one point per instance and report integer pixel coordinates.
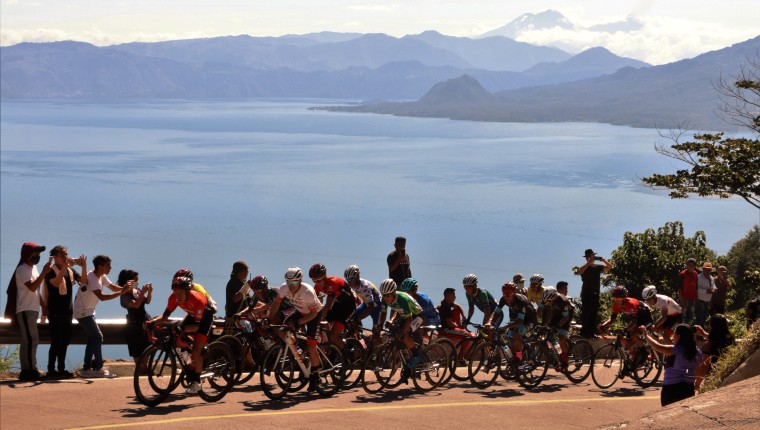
(449, 311)
(483, 300)
(404, 305)
(536, 295)
(429, 312)
(337, 288)
(304, 300)
(560, 309)
(367, 292)
(209, 301)
(667, 306)
(269, 298)
(633, 309)
(520, 309)
(194, 305)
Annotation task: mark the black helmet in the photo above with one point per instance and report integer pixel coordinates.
(317, 271)
(259, 283)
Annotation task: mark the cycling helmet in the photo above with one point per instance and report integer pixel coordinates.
(649, 292)
(408, 285)
(183, 273)
(470, 279)
(317, 271)
(537, 279)
(508, 287)
(387, 286)
(549, 295)
(293, 274)
(259, 283)
(182, 282)
(351, 272)
(620, 292)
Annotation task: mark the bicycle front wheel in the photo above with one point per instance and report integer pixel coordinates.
(219, 372)
(608, 366)
(483, 366)
(155, 373)
(648, 368)
(238, 352)
(355, 356)
(379, 368)
(579, 361)
(433, 367)
(451, 356)
(276, 373)
(532, 369)
(331, 370)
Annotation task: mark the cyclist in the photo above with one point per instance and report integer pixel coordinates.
(307, 304)
(367, 292)
(522, 317)
(670, 311)
(341, 302)
(407, 316)
(186, 273)
(492, 314)
(561, 311)
(198, 320)
(429, 312)
(263, 298)
(637, 314)
(536, 289)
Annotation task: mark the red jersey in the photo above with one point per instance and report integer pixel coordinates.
(689, 291)
(194, 305)
(337, 288)
(629, 306)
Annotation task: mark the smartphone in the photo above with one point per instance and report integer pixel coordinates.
(598, 258)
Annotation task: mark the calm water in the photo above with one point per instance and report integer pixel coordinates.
(163, 185)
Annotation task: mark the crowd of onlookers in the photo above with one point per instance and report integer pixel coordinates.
(65, 289)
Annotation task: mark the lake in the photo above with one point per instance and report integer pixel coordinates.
(161, 185)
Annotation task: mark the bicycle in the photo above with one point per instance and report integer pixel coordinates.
(386, 365)
(611, 363)
(164, 365)
(286, 366)
(357, 347)
(243, 342)
(580, 355)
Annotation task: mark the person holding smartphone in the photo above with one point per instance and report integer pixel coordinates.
(591, 275)
(398, 262)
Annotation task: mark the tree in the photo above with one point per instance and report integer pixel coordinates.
(717, 165)
(743, 263)
(655, 258)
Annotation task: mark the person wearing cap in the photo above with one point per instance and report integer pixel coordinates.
(687, 290)
(591, 275)
(519, 281)
(236, 289)
(23, 290)
(722, 286)
(705, 290)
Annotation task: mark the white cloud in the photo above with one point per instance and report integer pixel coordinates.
(373, 7)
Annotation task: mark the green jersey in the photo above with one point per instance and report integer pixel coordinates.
(404, 305)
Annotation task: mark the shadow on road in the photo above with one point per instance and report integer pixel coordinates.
(165, 408)
(392, 395)
(621, 392)
(498, 394)
(286, 402)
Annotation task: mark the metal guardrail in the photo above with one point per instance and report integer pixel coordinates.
(113, 329)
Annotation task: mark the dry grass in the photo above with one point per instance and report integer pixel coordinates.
(733, 358)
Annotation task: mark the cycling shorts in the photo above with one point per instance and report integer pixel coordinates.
(311, 326)
(375, 313)
(521, 329)
(340, 312)
(204, 325)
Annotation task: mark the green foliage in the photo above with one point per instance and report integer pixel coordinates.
(655, 258)
(743, 263)
(8, 357)
(719, 166)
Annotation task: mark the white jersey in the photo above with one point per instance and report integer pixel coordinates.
(367, 291)
(304, 300)
(667, 305)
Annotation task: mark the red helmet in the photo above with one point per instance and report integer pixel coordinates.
(259, 283)
(317, 271)
(620, 292)
(185, 273)
(509, 287)
(182, 282)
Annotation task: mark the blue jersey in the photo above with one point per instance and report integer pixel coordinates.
(429, 312)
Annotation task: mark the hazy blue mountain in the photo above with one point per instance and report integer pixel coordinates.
(529, 21)
(629, 24)
(324, 36)
(588, 64)
(493, 53)
(659, 96)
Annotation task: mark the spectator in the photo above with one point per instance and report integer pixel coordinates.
(722, 286)
(451, 313)
(24, 304)
(398, 262)
(681, 362)
(519, 281)
(57, 295)
(591, 275)
(687, 290)
(134, 300)
(86, 300)
(236, 289)
(705, 289)
(752, 310)
(718, 340)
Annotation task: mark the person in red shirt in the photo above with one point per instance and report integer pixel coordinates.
(341, 302)
(199, 317)
(687, 291)
(635, 313)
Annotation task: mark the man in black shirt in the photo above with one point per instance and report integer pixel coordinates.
(591, 274)
(398, 262)
(236, 289)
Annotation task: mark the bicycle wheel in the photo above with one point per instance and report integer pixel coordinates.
(608, 366)
(218, 374)
(463, 351)
(484, 365)
(379, 367)
(355, 355)
(506, 367)
(276, 372)
(451, 354)
(431, 371)
(237, 348)
(533, 367)
(579, 361)
(649, 367)
(331, 370)
(155, 373)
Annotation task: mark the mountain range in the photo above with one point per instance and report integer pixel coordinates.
(660, 96)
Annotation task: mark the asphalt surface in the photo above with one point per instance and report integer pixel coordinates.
(110, 403)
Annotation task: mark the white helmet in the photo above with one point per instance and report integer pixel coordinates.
(470, 279)
(649, 292)
(351, 272)
(387, 286)
(549, 294)
(293, 274)
(537, 279)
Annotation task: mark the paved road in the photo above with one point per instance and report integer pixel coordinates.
(101, 404)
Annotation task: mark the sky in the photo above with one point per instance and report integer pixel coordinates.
(671, 29)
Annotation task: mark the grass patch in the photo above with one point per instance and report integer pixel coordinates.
(733, 358)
